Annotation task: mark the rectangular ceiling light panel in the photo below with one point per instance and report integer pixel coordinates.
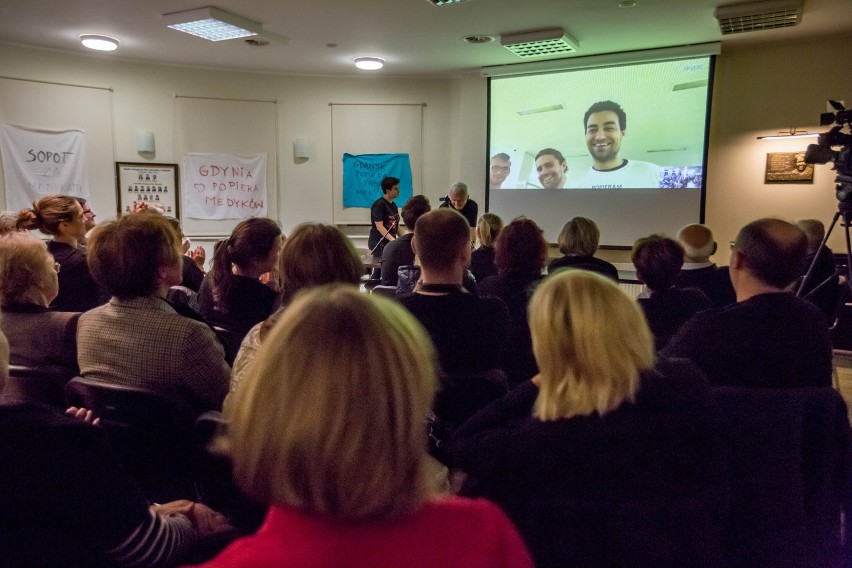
(212, 24)
(540, 43)
(766, 15)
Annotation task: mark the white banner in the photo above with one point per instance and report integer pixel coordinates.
(42, 162)
(224, 186)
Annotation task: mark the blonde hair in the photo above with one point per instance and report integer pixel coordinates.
(330, 418)
(590, 342)
(488, 228)
(27, 273)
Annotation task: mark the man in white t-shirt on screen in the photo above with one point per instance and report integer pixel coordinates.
(605, 123)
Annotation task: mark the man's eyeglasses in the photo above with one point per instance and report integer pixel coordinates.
(500, 168)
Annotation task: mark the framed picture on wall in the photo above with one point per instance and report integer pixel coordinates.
(158, 185)
(788, 167)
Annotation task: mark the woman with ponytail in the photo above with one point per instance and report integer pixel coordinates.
(61, 217)
(232, 295)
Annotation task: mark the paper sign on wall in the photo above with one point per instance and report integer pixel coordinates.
(363, 174)
(42, 162)
(224, 186)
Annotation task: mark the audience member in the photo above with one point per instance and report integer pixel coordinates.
(61, 216)
(28, 283)
(315, 254)
(698, 271)
(768, 338)
(193, 260)
(578, 242)
(88, 217)
(347, 379)
(824, 271)
(658, 261)
(519, 253)
(469, 331)
(399, 252)
(8, 222)
(138, 339)
(482, 259)
(459, 199)
(232, 295)
(67, 501)
(600, 460)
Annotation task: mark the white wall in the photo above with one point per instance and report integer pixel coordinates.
(144, 99)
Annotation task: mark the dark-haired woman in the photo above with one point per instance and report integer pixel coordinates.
(232, 295)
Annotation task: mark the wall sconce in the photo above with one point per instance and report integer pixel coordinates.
(302, 148)
(145, 141)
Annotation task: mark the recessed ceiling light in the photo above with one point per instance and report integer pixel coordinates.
(627, 4)
(369, 63)
(212, 24)
(99, 42)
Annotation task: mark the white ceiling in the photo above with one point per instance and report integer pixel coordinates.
(415, 37)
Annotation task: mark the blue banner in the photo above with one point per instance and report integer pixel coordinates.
(363, 174)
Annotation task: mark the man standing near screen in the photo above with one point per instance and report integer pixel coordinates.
(459, 199)
(606, 123)
(551, 168)
(500, 167)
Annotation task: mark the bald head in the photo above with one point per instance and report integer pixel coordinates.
(773, 251)
(697, 242)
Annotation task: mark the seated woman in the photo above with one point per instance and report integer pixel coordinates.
(578, 242)
(482, 259)
(232, 295)
(67, 501)
(28, 283)
(138, 339)
(329, 431)
(600, 460)
(315, 254)
(658, 261)
(61, 216)
(520, 252)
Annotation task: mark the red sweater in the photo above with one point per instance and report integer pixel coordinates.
(468, 533)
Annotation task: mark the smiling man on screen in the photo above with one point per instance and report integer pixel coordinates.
(606, 123)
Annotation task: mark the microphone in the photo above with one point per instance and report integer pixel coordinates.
(392, 225)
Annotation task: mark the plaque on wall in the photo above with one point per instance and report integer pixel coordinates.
(155, 185)
(788, 167)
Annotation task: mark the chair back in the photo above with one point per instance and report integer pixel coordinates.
(461, 395)
(389, 291)
(151, 432)
(788, 457)
(45, 385)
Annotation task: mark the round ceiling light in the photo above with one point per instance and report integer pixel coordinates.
(99, 42)
(369, 63)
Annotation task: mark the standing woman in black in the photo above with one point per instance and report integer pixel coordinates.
(232, 295)
(61, 217)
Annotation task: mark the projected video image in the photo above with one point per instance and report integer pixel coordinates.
(621, 145)
(628, 127)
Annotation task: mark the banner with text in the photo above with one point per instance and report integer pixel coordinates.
(224, 186)
(42, 162)
(363, 174)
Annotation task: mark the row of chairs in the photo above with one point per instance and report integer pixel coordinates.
(159, 440)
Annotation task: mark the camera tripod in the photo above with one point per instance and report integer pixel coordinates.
(844, 211)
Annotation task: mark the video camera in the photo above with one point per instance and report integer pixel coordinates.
(822, 152)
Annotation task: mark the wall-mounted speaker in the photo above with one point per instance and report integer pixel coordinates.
(144, 141)
(302, 148)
